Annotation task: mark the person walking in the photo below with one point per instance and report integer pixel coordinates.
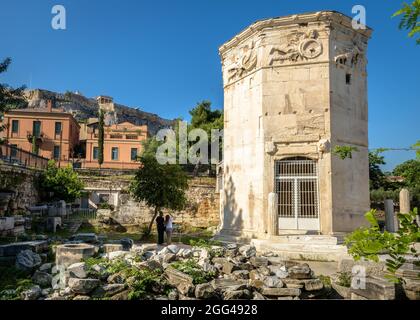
(168, 228)
(160, 224)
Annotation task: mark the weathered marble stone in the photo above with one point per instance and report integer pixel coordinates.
(78, 270)
(344, 292)
(67, 254)
(237, 294)
(204, 291)
(256, 284)
(116, 278)
(173, 248)
(278, 270)
(229, 267)
(85, 237)
(300, 272)
(280, 292)
(32, 294)
(247, 251)
(313, 285)
(258, 296)
(45, 292)
(180, 280)
(83, 286)
(376, 288)
(412, 289)
(81, 298)
(42, 279)
(173, 295)
(259, 261)
(111, 247)
(46, 267)
(27, 260)
(221, 284)
(121, 296)
(240, 274)
(273, 282)
(112, 289)
(13, 249)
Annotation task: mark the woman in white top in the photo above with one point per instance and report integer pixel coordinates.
(168, 228)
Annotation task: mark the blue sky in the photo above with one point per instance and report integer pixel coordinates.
(162, 55)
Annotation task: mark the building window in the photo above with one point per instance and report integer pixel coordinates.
(13, 150)
(348, 78)
(114, 153)
(36, 128)
(131, 137)
(133, 154)
(58, 128)
(56, 152)
(15, 126)
(95, 153)
(116, 136)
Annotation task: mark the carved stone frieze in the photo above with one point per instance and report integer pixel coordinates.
(244, 62)
(299, 46)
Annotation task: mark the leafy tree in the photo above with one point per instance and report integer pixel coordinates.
(370, 242)
(410, 171)
(376, 176)
(159, 186)
(9, 97)
(409, 20)
(416, 147)
(101, 134)
(344, 151)
(202, 117)
(64, 183)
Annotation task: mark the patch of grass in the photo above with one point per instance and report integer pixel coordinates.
(326, 280)
(344, 279)
(146, 281)
(191, 268)
(12, 283)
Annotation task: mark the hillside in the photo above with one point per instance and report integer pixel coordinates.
(83, 108)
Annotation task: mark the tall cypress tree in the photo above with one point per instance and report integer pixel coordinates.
(101, 138)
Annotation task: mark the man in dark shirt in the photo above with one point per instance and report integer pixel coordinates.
(160, 224)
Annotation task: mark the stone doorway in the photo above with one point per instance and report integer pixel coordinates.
(296, 185)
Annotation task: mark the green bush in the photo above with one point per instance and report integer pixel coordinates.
(370, 242)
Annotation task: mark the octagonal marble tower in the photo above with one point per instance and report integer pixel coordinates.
(294, 88)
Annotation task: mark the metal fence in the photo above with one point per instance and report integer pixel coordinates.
(82, 214)
(14, 156)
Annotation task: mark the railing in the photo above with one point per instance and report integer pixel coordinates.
(14, 156)
(82, 214)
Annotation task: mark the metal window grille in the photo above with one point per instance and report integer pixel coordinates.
(297, 188)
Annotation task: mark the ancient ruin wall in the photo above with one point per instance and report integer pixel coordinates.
(23, 183)
(202, 210)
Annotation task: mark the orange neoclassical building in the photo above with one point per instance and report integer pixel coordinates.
(48, 132)
(122, 145)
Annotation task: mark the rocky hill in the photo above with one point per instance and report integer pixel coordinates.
(84, 108)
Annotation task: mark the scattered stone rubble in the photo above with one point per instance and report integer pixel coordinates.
(237, 272)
